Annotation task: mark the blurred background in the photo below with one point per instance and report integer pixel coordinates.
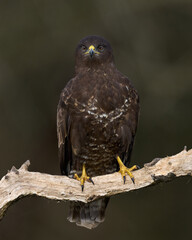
(152, 43)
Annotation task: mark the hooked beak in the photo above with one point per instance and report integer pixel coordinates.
(91, 51)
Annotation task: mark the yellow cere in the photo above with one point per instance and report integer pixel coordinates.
(93, 49)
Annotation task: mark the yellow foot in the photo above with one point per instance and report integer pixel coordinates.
(123, 170)
(83, 177)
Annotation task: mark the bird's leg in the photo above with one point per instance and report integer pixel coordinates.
(123, 170)
(83, 177)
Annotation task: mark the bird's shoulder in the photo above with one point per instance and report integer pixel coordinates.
(127, 87)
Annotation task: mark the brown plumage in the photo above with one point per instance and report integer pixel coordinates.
(96, 121)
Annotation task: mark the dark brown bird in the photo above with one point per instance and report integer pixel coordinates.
(96, 123)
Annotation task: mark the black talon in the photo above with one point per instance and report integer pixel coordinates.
(82, 187)
(124, 179)
(133, 180)
(90, 179)
(138, 167)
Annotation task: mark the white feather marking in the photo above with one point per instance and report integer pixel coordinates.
(93, 108)
(92, 145)
(83, 156)
(103, 115)
(117, 116)
(90, 112)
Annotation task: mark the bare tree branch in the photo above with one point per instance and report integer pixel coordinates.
(19, 183)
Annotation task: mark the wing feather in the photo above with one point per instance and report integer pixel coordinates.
(64, 145)
(128, 127)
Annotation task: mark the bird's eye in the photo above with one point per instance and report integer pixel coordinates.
(83, 48)
(100, 48)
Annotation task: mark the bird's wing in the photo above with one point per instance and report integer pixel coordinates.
(127, 138)
(64, 145)
(128, 126)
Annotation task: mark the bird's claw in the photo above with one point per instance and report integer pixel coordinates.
(83, 178)
(123, 170)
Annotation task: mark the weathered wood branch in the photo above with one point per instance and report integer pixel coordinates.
(19, 183)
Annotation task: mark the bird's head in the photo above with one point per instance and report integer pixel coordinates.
(93, 51)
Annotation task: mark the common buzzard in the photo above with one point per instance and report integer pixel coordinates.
(96, 123)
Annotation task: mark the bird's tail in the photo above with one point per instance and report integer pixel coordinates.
(88, 215)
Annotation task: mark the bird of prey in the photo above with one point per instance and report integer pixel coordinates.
(97, 118)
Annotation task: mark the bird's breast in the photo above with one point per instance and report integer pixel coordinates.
(101, 127)
(99, 131)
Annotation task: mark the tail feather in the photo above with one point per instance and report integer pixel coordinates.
(88, 215)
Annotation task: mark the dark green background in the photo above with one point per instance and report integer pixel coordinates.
(152, 42)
